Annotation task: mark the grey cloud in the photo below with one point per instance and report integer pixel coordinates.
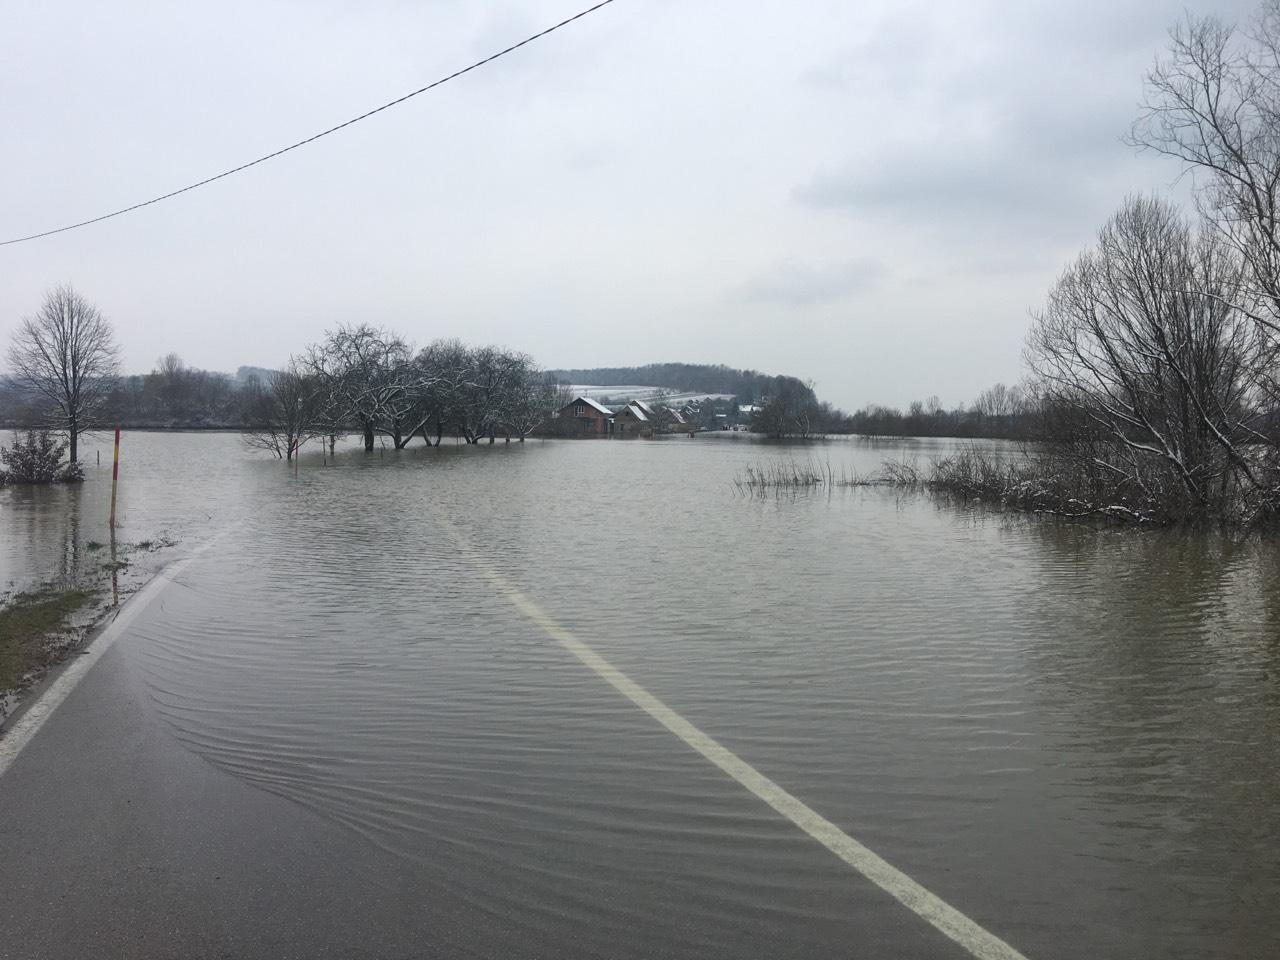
(1020, 129)
(626, 168)
(796, 284)
(1025, 169)
(936, 187)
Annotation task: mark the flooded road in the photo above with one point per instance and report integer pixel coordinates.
(1071, 734)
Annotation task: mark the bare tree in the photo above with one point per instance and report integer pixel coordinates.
(791, 410)
(1151, 371)
(531, 398)
(480, 395)
(281, 415)
(445, 367)
(1213, 103)
(170, 384)
(363, 369)
(68, 354)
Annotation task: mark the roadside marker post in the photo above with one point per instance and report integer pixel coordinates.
(115, 478)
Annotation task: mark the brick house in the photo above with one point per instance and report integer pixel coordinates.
(584, 417)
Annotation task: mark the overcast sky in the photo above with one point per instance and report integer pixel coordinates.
(871, 195)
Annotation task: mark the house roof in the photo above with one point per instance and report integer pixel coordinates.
(644, 407)
(636, 409)
(591, 403)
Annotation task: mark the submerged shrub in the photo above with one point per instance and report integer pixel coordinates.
(36, 457)
(1050, 481)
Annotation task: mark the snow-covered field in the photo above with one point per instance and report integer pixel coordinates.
(621, 393)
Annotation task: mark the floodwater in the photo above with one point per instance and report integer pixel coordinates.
(1070, 733)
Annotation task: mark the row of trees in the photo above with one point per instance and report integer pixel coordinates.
(359, 378)
(998, 412)
(793, 411)
(370, 381)
(174, 394)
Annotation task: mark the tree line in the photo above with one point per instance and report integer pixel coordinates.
(999, 412)
(359, 378)
(369, 381)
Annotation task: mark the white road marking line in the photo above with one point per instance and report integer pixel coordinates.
(977, 940)
(33, 718)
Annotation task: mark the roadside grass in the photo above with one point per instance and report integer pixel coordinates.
(45, 623)
(30, 622)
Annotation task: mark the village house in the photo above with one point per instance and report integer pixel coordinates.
(584, 417)
(636, 419)
(673, 421)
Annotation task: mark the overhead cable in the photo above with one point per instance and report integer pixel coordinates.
(312, 139)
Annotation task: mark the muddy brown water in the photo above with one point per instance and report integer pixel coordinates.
(1069, 732)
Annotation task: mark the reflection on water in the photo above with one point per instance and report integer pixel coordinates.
(1067, 731)
(1158, 662)
(42, 532)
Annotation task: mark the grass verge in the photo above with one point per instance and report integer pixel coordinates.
(36, 628)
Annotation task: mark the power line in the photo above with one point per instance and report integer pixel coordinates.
(315, 137)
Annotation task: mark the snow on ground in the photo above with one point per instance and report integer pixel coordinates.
(621, 393)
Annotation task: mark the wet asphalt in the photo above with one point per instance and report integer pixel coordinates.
(117, 841)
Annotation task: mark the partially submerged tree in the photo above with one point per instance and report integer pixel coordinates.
(1151, 370)
(282, 414)
(791, 410)
(362, 369)
(67, 353)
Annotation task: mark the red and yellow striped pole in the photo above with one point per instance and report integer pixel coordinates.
(115, 477)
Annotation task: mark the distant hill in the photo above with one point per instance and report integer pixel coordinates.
(746, 385)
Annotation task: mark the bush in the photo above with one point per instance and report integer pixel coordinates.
(1046, 480)
(37, 458)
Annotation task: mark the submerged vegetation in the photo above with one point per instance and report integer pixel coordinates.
(36, 457)
(792, 474)
(1041, 478)
(1037, 482)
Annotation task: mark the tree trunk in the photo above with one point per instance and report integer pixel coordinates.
(73, 428)
(368, 437)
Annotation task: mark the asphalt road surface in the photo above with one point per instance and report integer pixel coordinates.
(117, 840)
